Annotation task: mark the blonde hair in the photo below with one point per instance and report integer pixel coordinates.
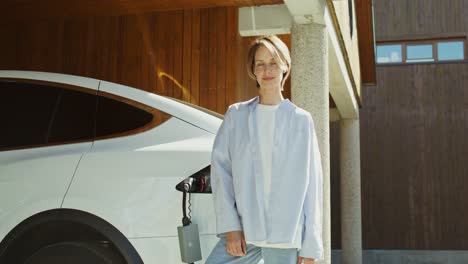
(278, 50)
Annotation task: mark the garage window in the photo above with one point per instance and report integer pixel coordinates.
(450, 50)
(422, 51)
(389, 53)
(419, 53)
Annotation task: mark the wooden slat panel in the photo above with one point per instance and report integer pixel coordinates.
(9, 58)
(169, 44)
(152, 52)
(75, 48)
(195, 85)
(155, 52)
(128, 50)
(156, 49)
(232, 56)
(162, 43)
(248, 89)
(12, 9)
(415, 151)
(187, 56)
(178, 36)
(419, 17)
(212, 66)
(221, 60)
(164, 53)
(204, 57)
(365, 30)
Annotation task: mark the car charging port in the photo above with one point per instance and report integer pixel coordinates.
(189, 237)
(197, 183)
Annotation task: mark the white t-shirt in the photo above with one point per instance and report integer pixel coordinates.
(266, 125)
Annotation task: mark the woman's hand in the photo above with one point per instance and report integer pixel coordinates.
(235, 243)
(302, 260)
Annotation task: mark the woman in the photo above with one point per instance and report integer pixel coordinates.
(266, 174)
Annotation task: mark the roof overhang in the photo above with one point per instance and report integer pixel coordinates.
(343, 88)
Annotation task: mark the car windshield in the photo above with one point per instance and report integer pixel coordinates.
(197, 107)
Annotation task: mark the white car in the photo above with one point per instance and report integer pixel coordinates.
(88, 171)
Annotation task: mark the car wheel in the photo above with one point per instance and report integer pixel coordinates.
(76, 252)
(66, 236)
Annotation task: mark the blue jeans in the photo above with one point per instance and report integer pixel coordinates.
(254, 255)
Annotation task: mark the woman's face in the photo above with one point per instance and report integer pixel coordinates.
(267, 70)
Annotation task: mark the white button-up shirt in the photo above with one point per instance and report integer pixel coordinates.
(296, 178)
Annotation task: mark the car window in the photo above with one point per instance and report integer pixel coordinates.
(117, 116)
(25, 111)
(40, 114)
(36, 114)
(74, 117)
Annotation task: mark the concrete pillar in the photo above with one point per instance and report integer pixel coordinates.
(350, 163)
(309, 90)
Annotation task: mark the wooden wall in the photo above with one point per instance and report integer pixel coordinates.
(195, 55)
(414, 151)
(84, 8)
(418, 18)
(414, 144)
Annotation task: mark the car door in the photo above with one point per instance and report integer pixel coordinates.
(46, 128)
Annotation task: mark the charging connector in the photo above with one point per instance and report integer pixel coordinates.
(189, 238)
(189, 243)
